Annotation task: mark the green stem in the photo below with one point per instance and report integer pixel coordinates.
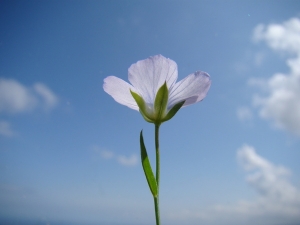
(156, 199)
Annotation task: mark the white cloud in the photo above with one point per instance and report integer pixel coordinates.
(107, 154)
(277, 201)
(17, 98)
(284, 37)
(280, 101)
(128, 161)
(269, 180)
(14, 97)
(5, 129)
(244, 113)
(49, 98)
(110, 155)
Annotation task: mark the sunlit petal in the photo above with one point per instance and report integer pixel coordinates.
(148, 75)
(120, 91)
(192, 89)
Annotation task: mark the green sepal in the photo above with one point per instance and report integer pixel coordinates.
(161, 102)
(147, 167)
(173, 111)
(146, 118)
(142, 106)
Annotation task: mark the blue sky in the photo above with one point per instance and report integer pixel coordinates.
(70, 153)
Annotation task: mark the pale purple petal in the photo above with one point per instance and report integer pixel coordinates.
(192, 89)
(120, 91)
(148, 75)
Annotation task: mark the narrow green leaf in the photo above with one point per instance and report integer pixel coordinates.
(161, 101)
(147, 167)
(173, 111)
(142, 106)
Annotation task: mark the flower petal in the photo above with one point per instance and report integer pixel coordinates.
(120, 91)
(148, 75)
(192, 89)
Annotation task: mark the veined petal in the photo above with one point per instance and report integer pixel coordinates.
(148, 75)
(120, 91)
(191, 89)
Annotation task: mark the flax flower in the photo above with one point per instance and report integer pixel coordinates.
(156, 95)
(153, 90)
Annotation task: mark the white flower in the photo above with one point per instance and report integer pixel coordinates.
(153, 90)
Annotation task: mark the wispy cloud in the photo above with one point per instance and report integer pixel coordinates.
(244, 113)
(5, 129)
(17, 98)
(106, 154)
(279, 100)
(49, 99)
(259, 58)
(277, 200)
(270, 181)
(8, 190)
(121, 159)
(128, 161)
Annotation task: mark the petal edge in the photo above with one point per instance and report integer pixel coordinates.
(191, 89)
(120, 91)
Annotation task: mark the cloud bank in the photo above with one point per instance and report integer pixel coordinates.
(279, 100)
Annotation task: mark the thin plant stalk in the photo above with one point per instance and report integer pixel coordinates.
(156, 198)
